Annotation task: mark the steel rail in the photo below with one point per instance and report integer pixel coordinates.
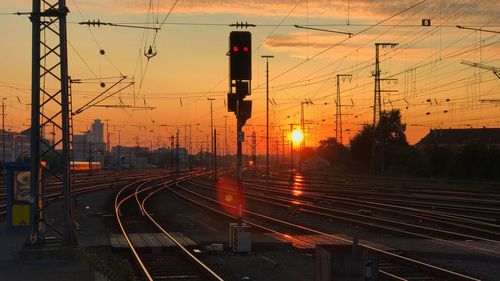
(397, 258)
(118, 204)
(177, 243)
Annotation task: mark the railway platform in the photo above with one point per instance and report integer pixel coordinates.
(53, 261)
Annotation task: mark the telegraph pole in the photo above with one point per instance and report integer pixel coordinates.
(177, 164)
(303, 129)
(283, 145)
(267, 115)
(186, 144)
(291, 152)
(120, 149)
(225, 141)
(377, 157)
(338, 112)
(254, 150)
(190, 148)
(172, 149)
(3, 131)
(211, 133)
(215, 153)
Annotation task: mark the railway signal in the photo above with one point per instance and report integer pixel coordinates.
(240, 76)
(240, 54)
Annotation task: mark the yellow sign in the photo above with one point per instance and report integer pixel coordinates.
(20, 215)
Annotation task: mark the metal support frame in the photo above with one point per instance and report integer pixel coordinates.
(303, 129)
(50, 104)
(267, 57)
(215, 153)
(177, 159)
(212, 162)
(377, 156)
(338, 112)
(291, 152)
(253, 146)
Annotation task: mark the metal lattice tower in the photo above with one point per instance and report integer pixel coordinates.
(377, 157)
(50, 105)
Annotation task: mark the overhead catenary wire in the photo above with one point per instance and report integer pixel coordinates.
(432, 66)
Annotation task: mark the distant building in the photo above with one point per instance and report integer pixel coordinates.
(17, 146)
(123, 157)
(81, 147)
(85, 149)
(457, 138)
(97, 132)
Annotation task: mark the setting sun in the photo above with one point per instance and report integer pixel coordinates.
(297, 136)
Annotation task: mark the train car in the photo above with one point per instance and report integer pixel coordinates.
(85, 166)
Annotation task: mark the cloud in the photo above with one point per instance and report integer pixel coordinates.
(322, 9)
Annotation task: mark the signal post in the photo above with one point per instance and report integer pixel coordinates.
(240, 76)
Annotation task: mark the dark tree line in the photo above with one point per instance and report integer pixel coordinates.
(470, 161)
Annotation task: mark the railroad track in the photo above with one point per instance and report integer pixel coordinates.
(475, 222)
(84, 185)
(394, 266)
(167, 263)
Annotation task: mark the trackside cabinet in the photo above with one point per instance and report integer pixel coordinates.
(22, 200)
(240, 238)
(344, 262)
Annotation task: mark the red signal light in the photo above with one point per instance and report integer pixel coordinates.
(235, 49)
(245, 49)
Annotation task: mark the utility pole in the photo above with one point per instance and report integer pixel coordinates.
(338, 112)
(283, 146)
(3, 132)
(186, 144)
(177, 164)
(211, 132)
(209, 159)
(215, 154)
(172, 149)
(254, 150)
(201, 156)
(225, 141)
(190, 148)
(303, 129)
(120, 149)
(377, 157)
(267, 116)
(291, 152)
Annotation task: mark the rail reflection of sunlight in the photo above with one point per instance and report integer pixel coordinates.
(296, 185)
(229, 196)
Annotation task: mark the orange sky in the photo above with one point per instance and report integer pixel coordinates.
(434, 89)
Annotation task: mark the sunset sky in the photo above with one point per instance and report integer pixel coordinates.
(434, 90)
